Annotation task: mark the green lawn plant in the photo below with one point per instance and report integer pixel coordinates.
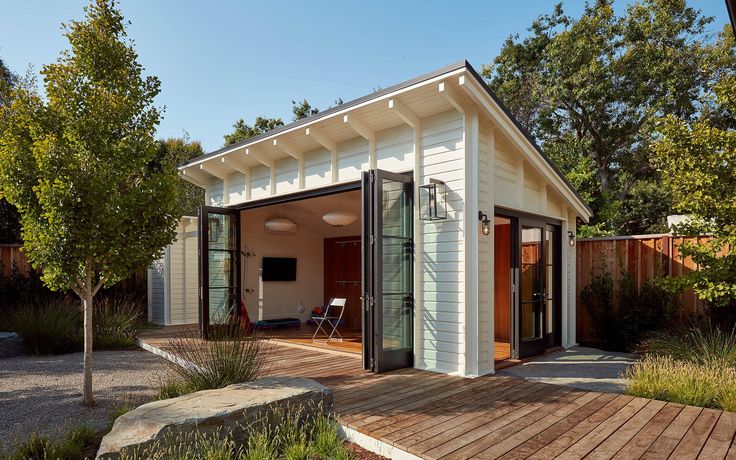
(79, 161)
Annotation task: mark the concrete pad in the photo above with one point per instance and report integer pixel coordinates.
(578, 367)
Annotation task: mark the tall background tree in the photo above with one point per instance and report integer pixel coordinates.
(81, 166)
(9, 218)
(590, 90)
(697, 159)
(176, 150)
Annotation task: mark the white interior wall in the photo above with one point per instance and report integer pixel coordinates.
(280, 299)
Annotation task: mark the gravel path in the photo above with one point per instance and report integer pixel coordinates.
(43, 393)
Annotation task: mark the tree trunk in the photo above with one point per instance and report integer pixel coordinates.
(87, 398)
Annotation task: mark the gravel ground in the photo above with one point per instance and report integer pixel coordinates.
(43, 393)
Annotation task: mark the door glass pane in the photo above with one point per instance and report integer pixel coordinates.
(221, 260)
(549, 279)
(531, 296)
(396, 266)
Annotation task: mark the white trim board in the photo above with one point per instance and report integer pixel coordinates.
(374, 445)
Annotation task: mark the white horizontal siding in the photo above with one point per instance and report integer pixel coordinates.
(441, 340)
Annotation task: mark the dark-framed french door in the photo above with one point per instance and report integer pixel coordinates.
(537, 320)
(388, 271)
(219, 267)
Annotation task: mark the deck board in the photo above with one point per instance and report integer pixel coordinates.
(436, 416)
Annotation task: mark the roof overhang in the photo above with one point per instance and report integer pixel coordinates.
(731, 7)
(454, 86)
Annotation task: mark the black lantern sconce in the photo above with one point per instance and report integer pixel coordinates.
(433, 200)
(485, 223)
(571, 238)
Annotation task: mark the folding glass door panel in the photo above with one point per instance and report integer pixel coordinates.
(219, 267)
(388, 247)
(532, 292)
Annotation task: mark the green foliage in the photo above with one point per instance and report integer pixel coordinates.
(702, 344)
(176, 151)
(52, 327)
(229, 356)
(590, 90)
(622, 314)
(118, 320)
(303, 109)
(698, 164)
(77, 163)
(294, 433)
(667, 379)
(243, 131)
(79, 443)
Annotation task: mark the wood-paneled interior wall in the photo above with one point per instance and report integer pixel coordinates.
(342, 276)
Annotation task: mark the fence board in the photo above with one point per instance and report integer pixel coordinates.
(644, 257)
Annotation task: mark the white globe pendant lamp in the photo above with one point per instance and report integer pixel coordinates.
(281, 225)
(339, 218)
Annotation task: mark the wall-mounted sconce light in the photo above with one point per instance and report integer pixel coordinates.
(485, 223)
(433, 200)
(571, 238)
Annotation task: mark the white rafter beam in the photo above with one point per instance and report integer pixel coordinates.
(211, 171)
(359, 127)
(409, 117)
(195, 177)
(236, 165)
(452, 96)
(321, 139)
(259, 158)
(287, 148)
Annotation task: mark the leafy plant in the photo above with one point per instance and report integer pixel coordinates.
(698, 344)
(666, 379)
(118, 320)
(622, 314)
(53, 327)
(81, 442)
(229, 356)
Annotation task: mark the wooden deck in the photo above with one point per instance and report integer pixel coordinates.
(437, 416)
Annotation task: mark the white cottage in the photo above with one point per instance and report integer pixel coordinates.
(424, 204)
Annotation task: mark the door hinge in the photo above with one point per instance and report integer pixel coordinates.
(373, 176)
(373, 364)
(513, 288)
(373, 239)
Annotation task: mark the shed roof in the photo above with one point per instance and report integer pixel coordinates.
(460, 67)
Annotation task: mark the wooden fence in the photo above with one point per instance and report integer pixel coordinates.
(12, 258)
(644, 257)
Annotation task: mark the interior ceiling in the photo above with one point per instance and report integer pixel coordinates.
(307, 213)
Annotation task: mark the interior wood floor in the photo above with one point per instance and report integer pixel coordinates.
(501, 351)
(437, 416)
(352, 341)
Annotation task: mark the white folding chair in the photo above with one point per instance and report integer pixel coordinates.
(332, 319)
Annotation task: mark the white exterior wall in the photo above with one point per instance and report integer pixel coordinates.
(173, 280)
(440, 341)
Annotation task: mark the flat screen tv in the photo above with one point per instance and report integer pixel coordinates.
(279, 269)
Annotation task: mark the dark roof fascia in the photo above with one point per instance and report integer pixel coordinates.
(330, 111)
(731, 7)
(524, 132)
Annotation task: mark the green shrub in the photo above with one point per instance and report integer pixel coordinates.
(700, 344)
(53, 327)
(292, 434)
(79, 443)
(117, 320)
(663, 378)
(230, 356)
(622, 314)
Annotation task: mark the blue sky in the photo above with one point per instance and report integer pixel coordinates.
(219, 61)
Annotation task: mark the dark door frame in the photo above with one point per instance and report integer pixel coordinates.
(517, 219)
(375, 358)
(203, 251)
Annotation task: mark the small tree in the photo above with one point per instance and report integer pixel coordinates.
(698, 161)
(80, 165)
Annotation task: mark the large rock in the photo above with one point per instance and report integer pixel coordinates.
(211, 412)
